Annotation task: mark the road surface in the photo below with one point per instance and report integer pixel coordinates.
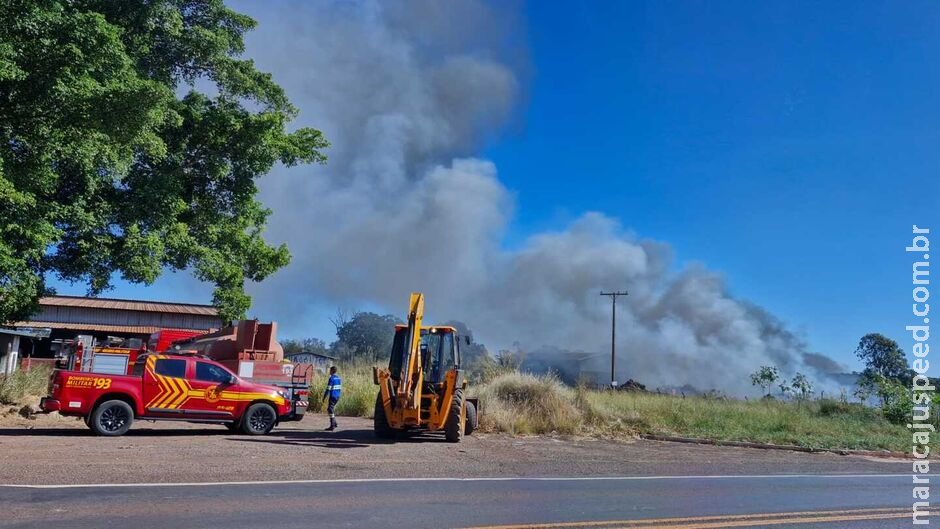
(804, 501)
(191, 476)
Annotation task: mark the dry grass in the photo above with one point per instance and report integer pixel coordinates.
(520, 403)
(358, 395)
(525, 404)
(16, 388)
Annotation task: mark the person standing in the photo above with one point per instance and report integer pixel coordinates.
(333, 388)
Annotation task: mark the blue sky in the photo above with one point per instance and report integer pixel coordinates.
(789, 146)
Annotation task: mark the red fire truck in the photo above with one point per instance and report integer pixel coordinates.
(168, 387)
(248, 350)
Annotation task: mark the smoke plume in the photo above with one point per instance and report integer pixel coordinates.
(407, 92)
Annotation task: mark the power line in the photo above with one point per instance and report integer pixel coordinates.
(613, 332)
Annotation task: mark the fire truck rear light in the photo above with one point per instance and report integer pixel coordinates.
(302, 393)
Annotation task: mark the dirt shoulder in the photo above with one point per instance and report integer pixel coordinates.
(52, 450)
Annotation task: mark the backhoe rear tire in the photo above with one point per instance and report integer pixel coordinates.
(471, 419)
(380, 421)
(453, 430)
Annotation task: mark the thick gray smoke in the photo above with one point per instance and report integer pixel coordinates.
(407, 92)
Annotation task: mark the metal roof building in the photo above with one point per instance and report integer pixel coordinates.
(64, 317)
(122, 316)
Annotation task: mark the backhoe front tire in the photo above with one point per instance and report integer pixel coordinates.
(380, 421)
(111, 418)
(453, 430)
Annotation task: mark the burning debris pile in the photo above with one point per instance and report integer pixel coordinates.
(632, 385)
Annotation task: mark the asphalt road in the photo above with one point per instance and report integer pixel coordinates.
(803, 501)
(64, 452)
(53, 473)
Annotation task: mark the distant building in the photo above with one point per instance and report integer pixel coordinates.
(320, 362)
(62, 318)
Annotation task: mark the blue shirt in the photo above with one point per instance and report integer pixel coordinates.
(333, 387)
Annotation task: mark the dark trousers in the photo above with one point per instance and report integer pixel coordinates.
(331, 408)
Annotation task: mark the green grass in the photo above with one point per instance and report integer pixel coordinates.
(813, 424)
(21, 384)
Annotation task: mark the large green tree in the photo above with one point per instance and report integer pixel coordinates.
(882, 356)
(367, 336)
(885, 367)
(113, 164)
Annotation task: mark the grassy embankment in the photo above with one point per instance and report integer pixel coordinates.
(518, 403)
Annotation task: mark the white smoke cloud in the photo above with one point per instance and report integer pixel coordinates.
(407, 92)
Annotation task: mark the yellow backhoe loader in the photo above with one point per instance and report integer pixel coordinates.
(423, 389)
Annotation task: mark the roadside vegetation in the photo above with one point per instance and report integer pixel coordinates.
(520, 404)
(826, 423)
(526, 404)
(358, 396)
(789, 413)
(16, 388)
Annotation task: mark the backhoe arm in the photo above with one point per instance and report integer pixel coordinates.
(411, 369)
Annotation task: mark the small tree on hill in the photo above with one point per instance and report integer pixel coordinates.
(802, 387)
(765, 377)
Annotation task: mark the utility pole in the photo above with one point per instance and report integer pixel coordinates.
(613, 332)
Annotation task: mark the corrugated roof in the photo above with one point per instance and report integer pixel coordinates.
(94, 327)
(127, 304)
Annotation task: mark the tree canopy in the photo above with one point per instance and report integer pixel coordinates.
(366, 336)
(765, 377)
(305, 345)
(114, 164)
(882, 357)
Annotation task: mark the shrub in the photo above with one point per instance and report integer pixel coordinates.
(520, 403)
(16, 387)
(829, 407)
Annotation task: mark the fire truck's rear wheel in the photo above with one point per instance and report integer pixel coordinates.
(453, 430)
(111, 418)
(259, 419)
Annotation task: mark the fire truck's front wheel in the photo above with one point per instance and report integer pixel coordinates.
(259, 419)
(111, 418)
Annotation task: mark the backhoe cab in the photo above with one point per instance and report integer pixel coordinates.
(422, 387)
